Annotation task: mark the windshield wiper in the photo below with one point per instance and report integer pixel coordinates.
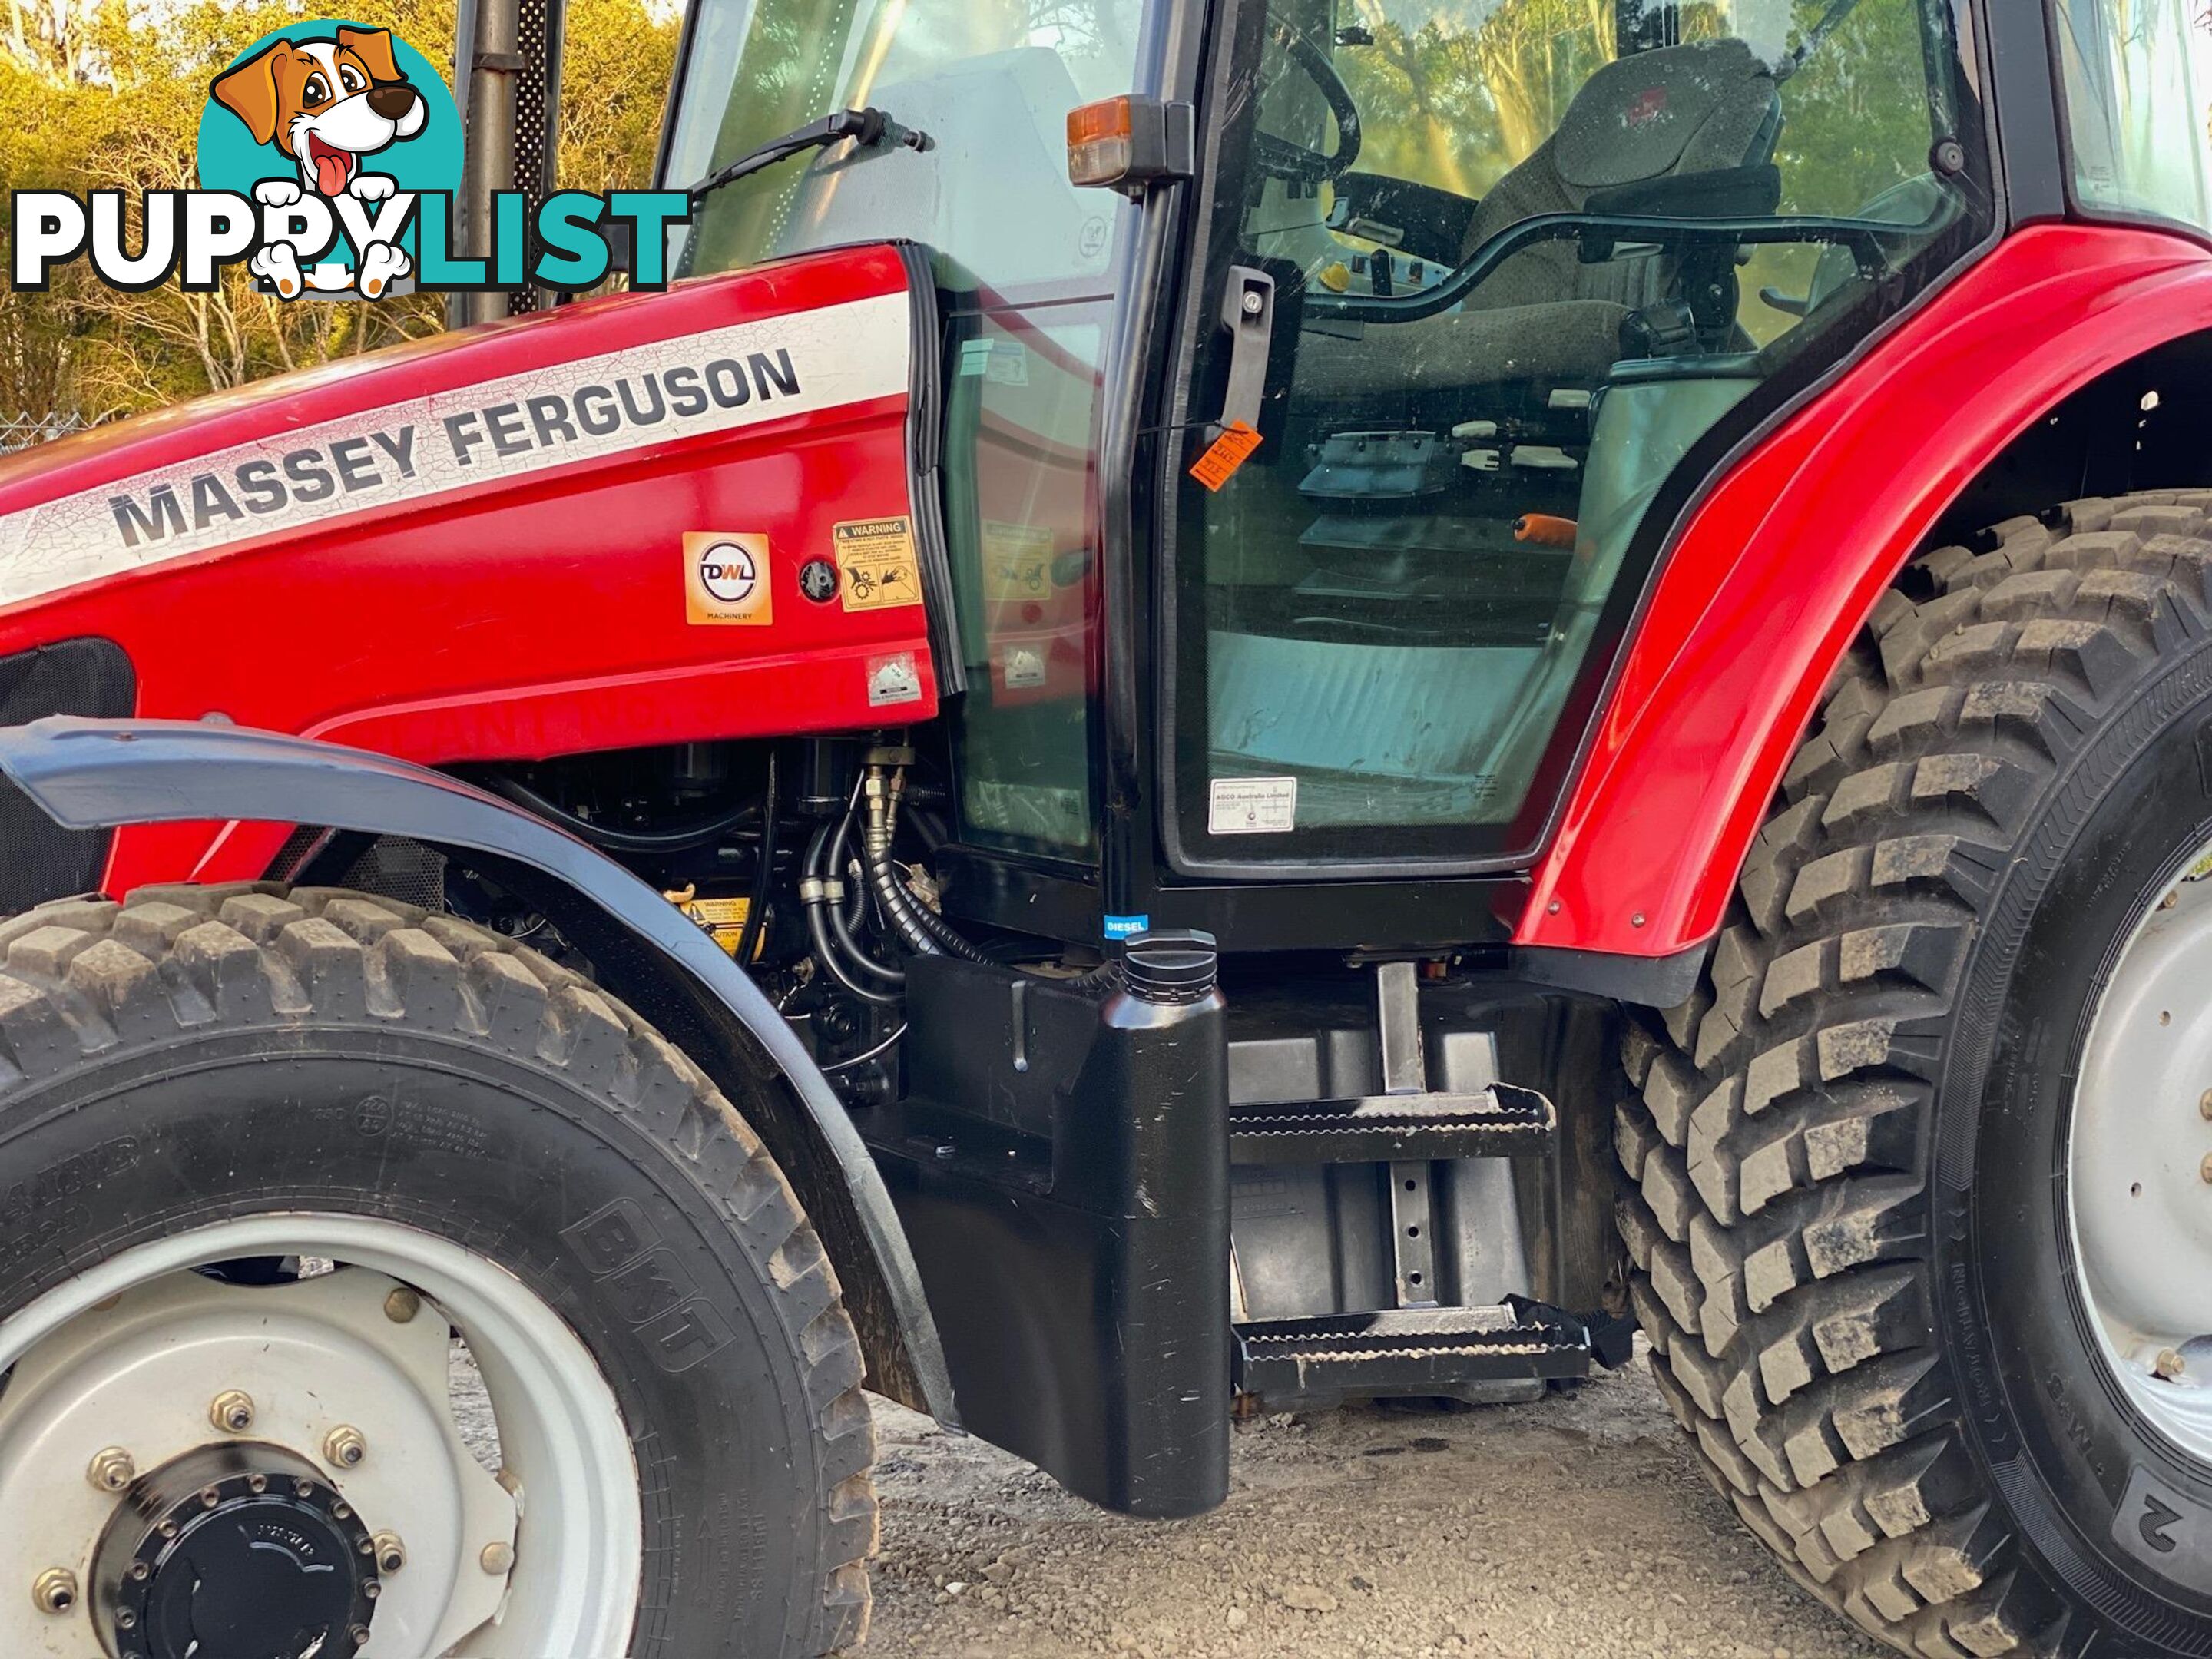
(865, 127)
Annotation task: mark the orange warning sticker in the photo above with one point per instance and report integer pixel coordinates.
(876, 555)
(1225, 455)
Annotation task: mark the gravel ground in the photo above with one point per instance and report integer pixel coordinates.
(1576, 1527)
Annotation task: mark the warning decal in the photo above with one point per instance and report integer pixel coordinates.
(723, 919)
(876, 557)
(1017, 561)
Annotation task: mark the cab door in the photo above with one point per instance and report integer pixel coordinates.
(1528, 270)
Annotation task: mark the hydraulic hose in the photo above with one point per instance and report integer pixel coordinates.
(920, 928)
(955, 943)
(846, 910)
(847, 917)
(817, 895)
(857, 954)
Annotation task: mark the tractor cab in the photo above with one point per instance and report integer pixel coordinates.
(1484, 282)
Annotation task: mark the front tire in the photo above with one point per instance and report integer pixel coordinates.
(1855, 1182)
(204, 1074)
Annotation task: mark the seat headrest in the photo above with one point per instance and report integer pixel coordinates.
(1693, 108)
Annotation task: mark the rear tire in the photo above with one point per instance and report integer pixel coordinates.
(201, 1055)
(1849, 1203)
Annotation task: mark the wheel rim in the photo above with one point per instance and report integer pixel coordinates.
(547, 1559)
(2140, 1166)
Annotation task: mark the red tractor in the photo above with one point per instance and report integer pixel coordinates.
(1241, 703)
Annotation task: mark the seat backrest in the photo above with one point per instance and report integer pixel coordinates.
(1702, 107)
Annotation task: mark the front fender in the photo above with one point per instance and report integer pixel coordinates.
(96, 775)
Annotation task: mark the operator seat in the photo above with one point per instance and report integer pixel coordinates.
(1544, 316)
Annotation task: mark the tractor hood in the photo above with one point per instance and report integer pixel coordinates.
(701, 514)
(446, 418)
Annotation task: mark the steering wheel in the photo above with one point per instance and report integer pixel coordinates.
(1281, 158)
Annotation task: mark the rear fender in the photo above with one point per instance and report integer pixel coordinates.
(1776, 569)
(95, 774)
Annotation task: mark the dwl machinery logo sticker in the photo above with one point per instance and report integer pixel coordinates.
(330, 156)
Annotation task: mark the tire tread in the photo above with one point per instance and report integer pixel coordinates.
(1775, 1207)
(78, 976)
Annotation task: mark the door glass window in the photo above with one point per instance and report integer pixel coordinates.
(2138, 78)
(1525, 255)
(1021, 518)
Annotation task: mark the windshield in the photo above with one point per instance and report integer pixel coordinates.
(991, 82)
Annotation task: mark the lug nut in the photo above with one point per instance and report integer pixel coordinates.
(2168, 1366)
(497, 1559)
(344, 1447)
(54, 1590)
(2205, 1168)
(390, 1554)
(402, 1305)
(232, 1411)
(112, 1470)
(359, 1634)
(2204, 1105)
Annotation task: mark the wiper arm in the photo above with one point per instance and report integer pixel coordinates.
(864, 126)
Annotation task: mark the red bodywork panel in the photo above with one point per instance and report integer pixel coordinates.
(1782, 563)
(454, 617)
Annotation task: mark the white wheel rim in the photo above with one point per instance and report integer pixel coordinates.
(2140, 1166)
(575, 1518)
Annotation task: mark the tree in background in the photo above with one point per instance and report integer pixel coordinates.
(107, 94)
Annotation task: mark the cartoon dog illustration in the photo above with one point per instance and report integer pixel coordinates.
(325, 104)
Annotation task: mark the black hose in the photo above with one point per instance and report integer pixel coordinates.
(620, 840)
(857, 954)
(825, 952)
(814, 902)
(757, 913)
(884, 882)
(920, 928)
(953, 941)
(844, 917)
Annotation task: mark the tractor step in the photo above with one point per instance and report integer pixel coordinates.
(1412, 1351)
(1494, 1122)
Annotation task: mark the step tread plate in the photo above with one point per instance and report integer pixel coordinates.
(1410, 1348)
(1496, 1122)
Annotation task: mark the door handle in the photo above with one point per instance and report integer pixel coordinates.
(1248, 311)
